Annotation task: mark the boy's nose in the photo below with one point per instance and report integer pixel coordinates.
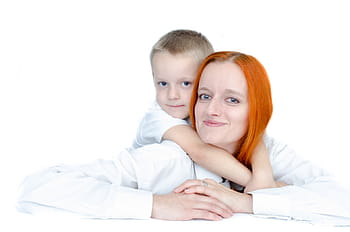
(173, 93)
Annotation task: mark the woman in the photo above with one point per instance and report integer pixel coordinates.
(231, 107)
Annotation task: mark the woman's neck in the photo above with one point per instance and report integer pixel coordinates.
(230, 148)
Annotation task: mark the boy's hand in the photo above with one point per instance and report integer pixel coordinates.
(262, 175)
(261, 182)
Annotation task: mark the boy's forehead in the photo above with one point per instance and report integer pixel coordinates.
(180, 65)
(163, 56)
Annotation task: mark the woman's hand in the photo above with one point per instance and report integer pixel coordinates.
(181, 206)
(238, 202)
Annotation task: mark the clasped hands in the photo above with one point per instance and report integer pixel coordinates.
(200, 199)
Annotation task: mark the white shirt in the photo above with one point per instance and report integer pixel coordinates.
(123, 188)
(312, 195)
(153, 126)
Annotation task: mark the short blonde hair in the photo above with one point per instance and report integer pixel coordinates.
(186, 42)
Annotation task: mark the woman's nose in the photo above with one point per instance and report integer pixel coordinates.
(214, 108)
(173, 93)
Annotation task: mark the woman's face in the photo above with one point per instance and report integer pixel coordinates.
(222, 105)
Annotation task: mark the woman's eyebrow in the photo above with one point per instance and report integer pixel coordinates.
(235, 92)
(203, 89)
(226, 91)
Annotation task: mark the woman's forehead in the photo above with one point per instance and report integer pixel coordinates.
(223, 75)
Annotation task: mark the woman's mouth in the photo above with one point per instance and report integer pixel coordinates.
(212, 123)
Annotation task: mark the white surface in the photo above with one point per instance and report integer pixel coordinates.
(238, 223)
(75, 79)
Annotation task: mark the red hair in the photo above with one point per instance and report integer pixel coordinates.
(259, 99)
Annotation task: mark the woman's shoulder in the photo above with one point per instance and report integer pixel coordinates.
(276, 147)
(272, 142)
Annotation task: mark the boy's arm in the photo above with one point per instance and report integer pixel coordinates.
(210, 157)
(260, 160)
(262, 176)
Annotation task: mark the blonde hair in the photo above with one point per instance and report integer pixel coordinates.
(259, 99)
(185, 42)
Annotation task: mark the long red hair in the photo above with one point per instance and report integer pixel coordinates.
(259, 99)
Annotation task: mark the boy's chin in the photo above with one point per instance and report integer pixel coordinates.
(179, 115)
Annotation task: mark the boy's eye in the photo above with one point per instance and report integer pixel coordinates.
(162, 83)
(186, 83)
(232, 100)
(204, 97)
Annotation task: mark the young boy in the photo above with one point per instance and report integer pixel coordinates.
(175, 59)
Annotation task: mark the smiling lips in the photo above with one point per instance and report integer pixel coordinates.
(212, 123)
(176, 106)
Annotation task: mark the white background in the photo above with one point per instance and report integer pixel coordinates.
(75, 76)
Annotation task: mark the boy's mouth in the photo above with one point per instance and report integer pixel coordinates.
(175, 106)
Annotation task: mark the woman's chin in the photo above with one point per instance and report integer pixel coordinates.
(210, 140)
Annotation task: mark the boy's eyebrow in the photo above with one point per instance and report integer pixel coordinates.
(186, 78)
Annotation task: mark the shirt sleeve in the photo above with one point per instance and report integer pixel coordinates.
(153, 126)
(311, 195)
(102, 189)
(160, 168)
(118, 188)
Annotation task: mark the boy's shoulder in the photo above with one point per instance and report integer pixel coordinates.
(156, 113)
(153, 126)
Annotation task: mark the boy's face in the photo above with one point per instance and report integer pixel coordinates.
(173, 77)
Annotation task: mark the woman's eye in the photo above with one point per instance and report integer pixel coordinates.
(186, 83)
(162, 83)
(204, 97)
(232, 100)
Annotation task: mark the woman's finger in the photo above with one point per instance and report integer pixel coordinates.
(213, 205)
(206, 215)
(203, 190)
(187, 184)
